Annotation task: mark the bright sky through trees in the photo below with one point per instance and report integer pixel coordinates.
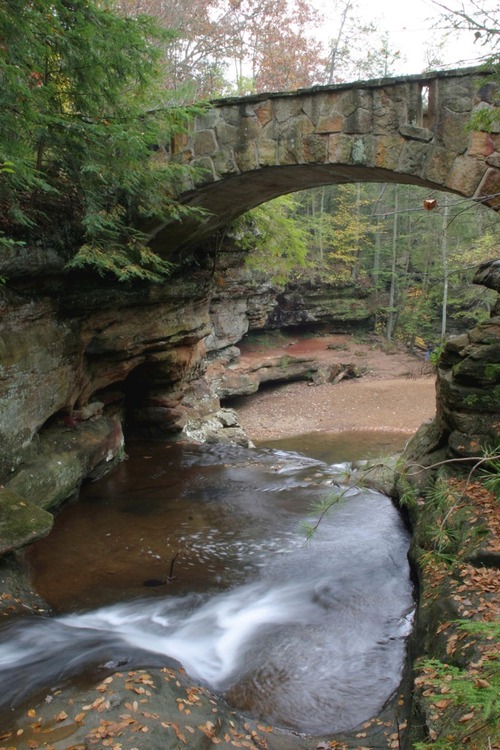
(413, 30)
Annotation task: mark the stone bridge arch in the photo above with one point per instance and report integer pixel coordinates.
(411, 130)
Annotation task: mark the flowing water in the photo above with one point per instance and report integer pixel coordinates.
(198, 554)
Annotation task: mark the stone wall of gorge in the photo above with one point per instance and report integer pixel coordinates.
(83, 360)
(468, 389)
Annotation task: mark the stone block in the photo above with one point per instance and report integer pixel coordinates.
(438, 165)
(339, 149)
(387, 113)
(330, 124)
(207, 120)
(226, 134)
(352, 100)
(416, 133)
(465, 175)
(451, 130)
(225, 163)
(267, 151)
(457, 94)
(388, 151)
(414, 157)
(490, 186)
(314, 149)
(286, 108)
(481, 144)
(488, 110)
(289, 153)
(264, 112)
(246, 157)
(231, 115)
(360, 121)
(494, 160)
(205, 143)
(248, 129)
(363, 150)
(312, 107)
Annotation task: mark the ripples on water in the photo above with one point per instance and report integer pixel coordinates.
(308, 635)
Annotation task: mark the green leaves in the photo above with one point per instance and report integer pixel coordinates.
(83, 109)
(277, 243)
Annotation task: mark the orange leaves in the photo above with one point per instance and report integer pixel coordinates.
(466, 717)
(480, 683)
(100, 704)
(444, 703)
(178, 733)
(451, 644)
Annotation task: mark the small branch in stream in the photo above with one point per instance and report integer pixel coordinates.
(161, 581)
(171, 576)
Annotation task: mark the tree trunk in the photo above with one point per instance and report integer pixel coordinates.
(444, 258)
(391, 317)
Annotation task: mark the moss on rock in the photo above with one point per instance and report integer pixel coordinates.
(21, 521)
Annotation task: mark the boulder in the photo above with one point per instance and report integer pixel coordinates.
(21, 521)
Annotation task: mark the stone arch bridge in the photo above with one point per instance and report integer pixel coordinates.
(411, 130)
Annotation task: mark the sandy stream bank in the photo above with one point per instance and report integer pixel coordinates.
(396, 393)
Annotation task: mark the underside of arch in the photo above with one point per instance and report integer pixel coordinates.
(227, 199)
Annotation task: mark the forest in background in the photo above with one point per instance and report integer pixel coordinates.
(89, 86)
(418, 264)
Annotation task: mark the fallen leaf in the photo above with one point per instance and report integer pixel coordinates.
(442, 704)
(480, 683)
(466, 717)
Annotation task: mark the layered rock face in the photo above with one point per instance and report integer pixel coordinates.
(468, 389)
(82, 360)
(244, 300)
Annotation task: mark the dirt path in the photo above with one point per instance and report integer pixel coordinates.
(397, 393)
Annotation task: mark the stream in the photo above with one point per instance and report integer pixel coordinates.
(199, 555)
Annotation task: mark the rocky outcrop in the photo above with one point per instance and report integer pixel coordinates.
(81, 360)
(246, 300)
(468, 389)
(314, 302)
(74, 356)
(68, 342)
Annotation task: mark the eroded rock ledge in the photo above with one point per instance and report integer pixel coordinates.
(84, 361)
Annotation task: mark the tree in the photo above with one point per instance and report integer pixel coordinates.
(482, 19)
(276, 243)
(338, 231)
(81, 112)
(236, 46)
(358, 49)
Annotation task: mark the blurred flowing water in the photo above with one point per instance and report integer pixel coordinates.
(304, 634)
